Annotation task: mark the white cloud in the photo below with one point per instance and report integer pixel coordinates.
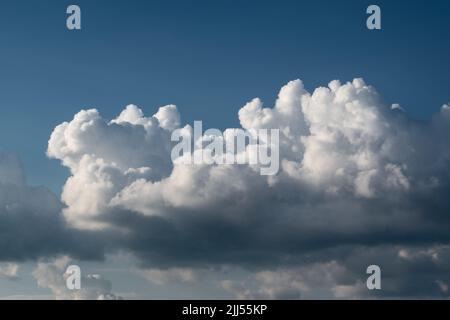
(105, 157)
(51, 275)
(337, 140)
(355, 173)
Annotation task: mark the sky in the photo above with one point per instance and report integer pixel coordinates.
(210, 58)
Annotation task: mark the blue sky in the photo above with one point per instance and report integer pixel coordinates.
(210, 58)
(207, 57)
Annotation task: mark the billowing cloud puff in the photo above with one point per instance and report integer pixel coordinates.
(354, 173)
(338, 140)
(105, 157)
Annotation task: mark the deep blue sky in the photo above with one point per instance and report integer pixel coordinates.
(208, 57)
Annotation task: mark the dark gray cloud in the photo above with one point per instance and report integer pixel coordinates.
(31, 221)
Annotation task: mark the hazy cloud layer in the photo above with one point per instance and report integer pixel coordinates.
(9, 270)
(407, 272)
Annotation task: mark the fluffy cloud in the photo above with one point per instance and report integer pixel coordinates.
(354, 173)
(104, 157)
(339, 140)
(51, 275)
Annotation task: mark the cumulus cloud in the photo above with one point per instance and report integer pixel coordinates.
(52, 275)
(354, 173)
(104, 157)
(339, 140)
(31, 221)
